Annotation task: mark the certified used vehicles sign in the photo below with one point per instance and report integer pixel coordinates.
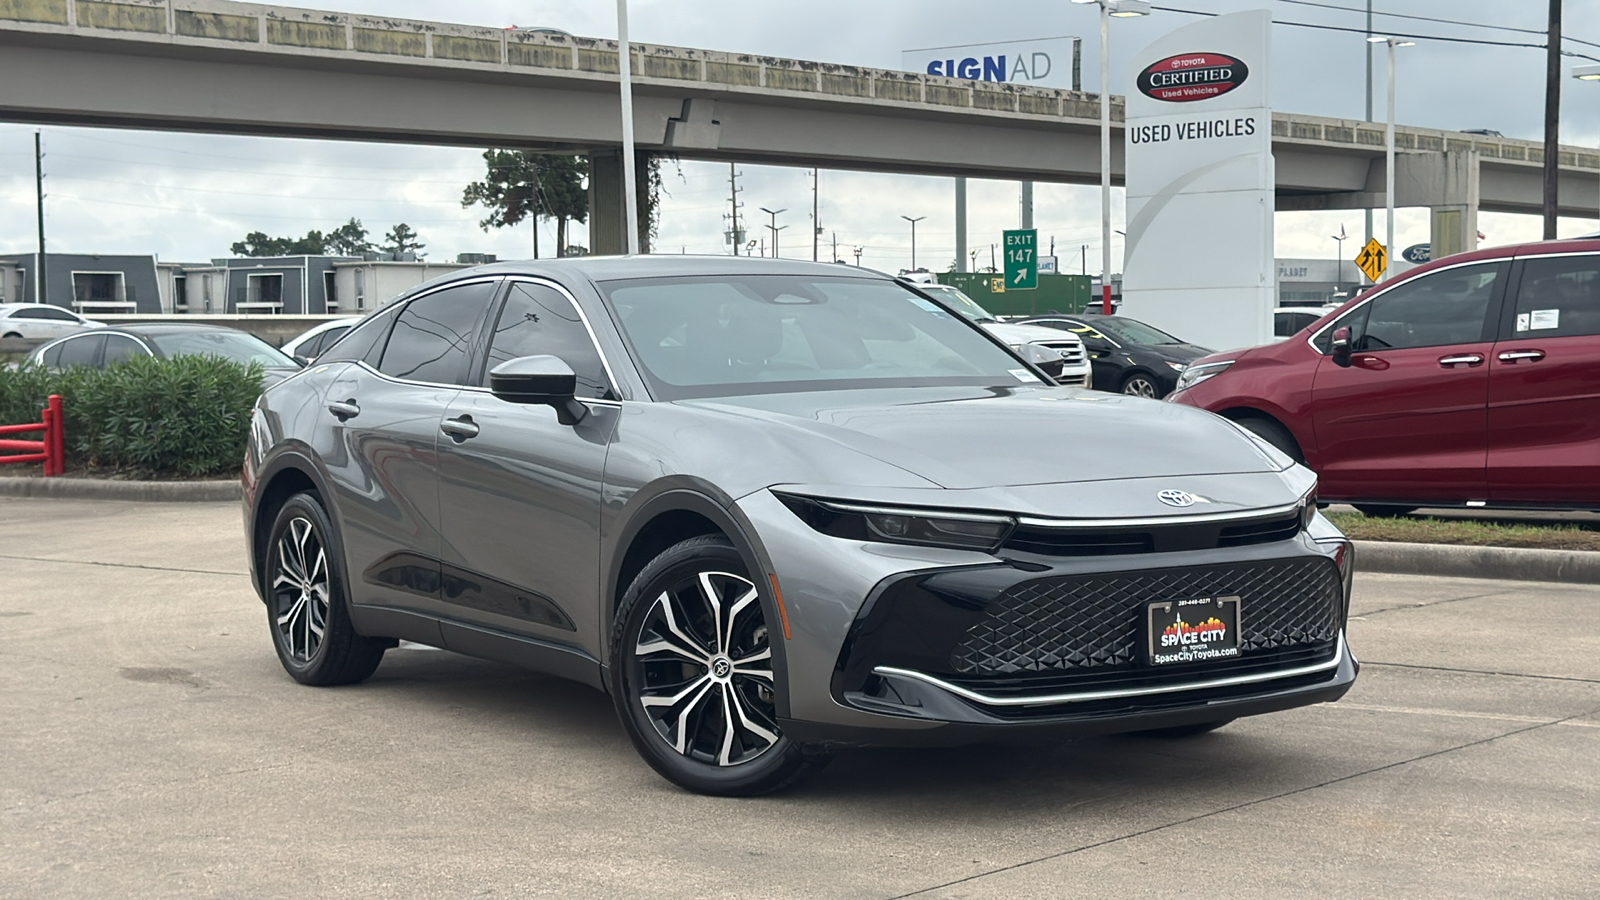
(1192, 76)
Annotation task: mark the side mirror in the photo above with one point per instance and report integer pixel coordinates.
(304, 360)
(1046, 359)
(1341, 347)
(542, 381)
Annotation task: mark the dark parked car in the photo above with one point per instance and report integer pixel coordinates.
(101, 347)
(1128, 356)
(1473, 380)
(776, 508)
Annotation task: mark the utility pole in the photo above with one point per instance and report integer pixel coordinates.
(630, 184)
(1552, 118)
(913, 238)
(961, 224)
(41, 295)
(835, 247)
(734, 234)
(816, 221)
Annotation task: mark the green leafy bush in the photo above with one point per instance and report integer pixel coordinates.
(187, 416)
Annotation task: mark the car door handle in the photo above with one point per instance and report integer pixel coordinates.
(344, 409)
(1512, 356)
(1470, 359)
(460, 428)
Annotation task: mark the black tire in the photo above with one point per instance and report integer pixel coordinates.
(1141, 384)
(304, 583)
(1383, 511)
(696, 687)
(1274, 434)
(1183, 731)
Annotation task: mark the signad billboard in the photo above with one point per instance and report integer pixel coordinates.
(1198, 143)
(1042, 62)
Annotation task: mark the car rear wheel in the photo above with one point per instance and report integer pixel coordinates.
(693, 675)
(1141, 385)
(1274, 434)
(1383, 511)
(306, 600)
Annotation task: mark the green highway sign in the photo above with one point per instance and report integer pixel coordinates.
(1022, 262)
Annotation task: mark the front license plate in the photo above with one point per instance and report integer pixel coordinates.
(1190, 631)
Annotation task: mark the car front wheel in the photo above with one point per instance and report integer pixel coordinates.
(1141, 385)
(306, 609)
(693, 675)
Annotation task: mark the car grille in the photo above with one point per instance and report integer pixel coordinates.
(1087, 621)
(1071, 350)
(1176, 537)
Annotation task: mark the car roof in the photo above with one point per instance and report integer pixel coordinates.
(155, 328)
(617, 268)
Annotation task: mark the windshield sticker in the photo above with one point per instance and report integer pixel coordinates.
(1024, 376)
(1522, 321)
(1544, 318)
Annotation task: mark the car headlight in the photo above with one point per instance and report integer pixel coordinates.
(1177, 367)
(901, 525)
(1193, 375)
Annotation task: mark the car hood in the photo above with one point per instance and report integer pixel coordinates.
(966, 438)
(1028, 334)
(1182, 353)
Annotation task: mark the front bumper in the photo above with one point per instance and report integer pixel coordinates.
(947, 647)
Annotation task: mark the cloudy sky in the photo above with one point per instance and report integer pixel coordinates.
(187, 197)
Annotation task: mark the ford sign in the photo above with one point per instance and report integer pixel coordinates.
(1192, 76)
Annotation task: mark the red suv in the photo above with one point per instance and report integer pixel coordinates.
(1473, 380)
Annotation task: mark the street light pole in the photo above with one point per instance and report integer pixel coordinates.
(1120, 9)
(773, 227)
(1388, 144)
(913, 238)
(1586, 73)
(630, 187)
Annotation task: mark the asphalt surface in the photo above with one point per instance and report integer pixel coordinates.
(150, 746)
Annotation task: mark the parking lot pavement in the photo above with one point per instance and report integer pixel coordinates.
(152, 747)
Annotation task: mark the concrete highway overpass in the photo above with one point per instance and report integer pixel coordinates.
(238, 68)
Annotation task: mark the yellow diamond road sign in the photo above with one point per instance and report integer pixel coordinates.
(1373, 259)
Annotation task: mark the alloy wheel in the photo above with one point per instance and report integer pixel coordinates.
(300, 590)
(1140, 386)
(703, 670)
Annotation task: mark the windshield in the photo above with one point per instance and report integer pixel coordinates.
(958, 301)
(718, 336)
(242, 348)
(1132, 331)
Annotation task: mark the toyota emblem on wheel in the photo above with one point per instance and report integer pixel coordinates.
(1179, 499)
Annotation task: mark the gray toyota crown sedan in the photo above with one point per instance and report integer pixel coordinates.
(776, 509)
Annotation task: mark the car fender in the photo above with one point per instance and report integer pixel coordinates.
(295, 456)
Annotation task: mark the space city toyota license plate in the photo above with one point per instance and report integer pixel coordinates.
(1204, 629)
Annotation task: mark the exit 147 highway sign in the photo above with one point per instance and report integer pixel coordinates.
(1022, 260)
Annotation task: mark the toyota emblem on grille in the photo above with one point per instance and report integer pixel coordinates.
(1176, 498)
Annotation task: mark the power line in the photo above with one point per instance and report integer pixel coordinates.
(1539, 31)
(1363, 32)
(236, 172)
(278, 194)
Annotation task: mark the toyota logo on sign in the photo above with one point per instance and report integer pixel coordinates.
(1188, 77)
(1179, 499)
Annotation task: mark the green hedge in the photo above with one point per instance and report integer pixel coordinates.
(187, 416)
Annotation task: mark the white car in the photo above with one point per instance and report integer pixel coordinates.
(1287, 321)
(1075, 370)
(40, 321)
(313, 342)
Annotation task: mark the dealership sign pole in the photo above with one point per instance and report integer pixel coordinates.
(1199, 253)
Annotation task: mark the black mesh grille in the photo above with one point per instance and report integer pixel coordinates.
(1084, 621)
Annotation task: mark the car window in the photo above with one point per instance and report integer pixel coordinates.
(365, 340)
(433, 335)
(50, 356)
(1559, 297)
(328, 339)
(55, 315)
(120, 347)
(537, 320)
(1435, 310)
(710, 336)
(80, 351)
(237, 346)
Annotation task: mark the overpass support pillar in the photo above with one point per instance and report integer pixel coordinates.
(1453, 214)
(608, 217)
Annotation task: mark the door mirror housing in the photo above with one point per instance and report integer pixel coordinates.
(1046, 359)
(540, 381)
(1340, 347)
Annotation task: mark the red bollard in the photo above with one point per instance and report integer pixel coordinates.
(55, 436)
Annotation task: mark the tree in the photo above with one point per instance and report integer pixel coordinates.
(520, 185)
(257, 243)
(401, 239)
(349, 239)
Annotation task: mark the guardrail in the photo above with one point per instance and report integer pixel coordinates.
(51, 450)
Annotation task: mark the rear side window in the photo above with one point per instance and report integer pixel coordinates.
(1559, 297)
(540, 321)
(1435, 310)
(434, 334)
(120, 348)
(81, 351)
(365, 341)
